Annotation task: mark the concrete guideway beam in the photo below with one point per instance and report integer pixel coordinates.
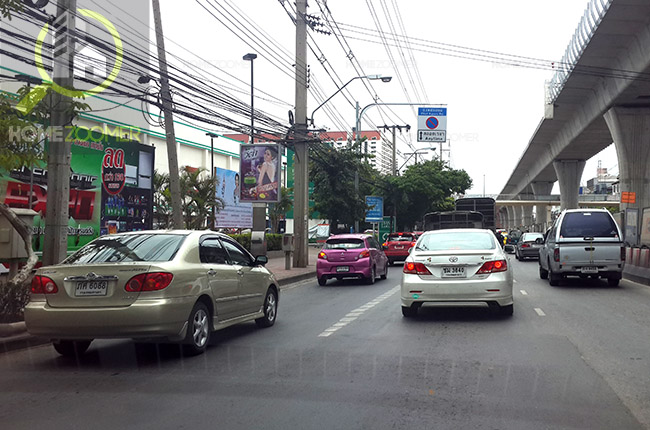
(630, 129)
(569, 173)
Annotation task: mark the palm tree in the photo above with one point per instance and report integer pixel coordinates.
(161, 200)
(199, 197)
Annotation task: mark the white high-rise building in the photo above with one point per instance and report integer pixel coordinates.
(376, 144)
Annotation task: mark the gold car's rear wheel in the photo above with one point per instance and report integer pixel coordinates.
(198, 330)
(71, 348)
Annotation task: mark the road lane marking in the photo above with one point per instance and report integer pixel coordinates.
(514, 280)
(540, 312)
(523, 292)
(353, 315)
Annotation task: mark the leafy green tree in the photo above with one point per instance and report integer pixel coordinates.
(429, 186)
(332, 172)
(23, 138)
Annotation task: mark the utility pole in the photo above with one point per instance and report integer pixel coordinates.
(301, 183)
(55, 242)
(172, 151)
(393, 127)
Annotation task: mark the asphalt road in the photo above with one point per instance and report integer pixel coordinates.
(343, 357)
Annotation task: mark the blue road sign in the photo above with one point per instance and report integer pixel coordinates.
(376, 211)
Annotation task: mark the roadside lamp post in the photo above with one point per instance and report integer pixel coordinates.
(251, 57)
(212, 178)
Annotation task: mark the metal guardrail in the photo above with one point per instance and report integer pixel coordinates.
(596, 10)
(551, 197)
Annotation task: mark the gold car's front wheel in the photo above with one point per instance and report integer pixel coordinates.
(198, 330)
(270, 309)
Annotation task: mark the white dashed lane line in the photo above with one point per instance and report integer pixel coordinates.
(353, 315)
(540, 312)
(523, 292)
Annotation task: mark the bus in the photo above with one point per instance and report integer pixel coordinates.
(484, 205)
(453, 219)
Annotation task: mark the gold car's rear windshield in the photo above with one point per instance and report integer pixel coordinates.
(128, 248)
(452, 241)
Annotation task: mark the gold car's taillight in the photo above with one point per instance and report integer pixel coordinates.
(43, 285)
(149, 282)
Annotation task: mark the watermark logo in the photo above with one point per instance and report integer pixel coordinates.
(36, 95)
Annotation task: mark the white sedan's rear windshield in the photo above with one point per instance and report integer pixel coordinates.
(344, 244)
(453, 241)
(128, 247)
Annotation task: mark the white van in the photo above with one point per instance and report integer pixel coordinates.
(584, 243)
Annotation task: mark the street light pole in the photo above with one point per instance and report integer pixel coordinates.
(370, 77)
(251, 57)
(213, 177)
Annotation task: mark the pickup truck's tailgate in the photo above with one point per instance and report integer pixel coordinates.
(577, 253)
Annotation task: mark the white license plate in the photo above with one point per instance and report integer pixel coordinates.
(342, 268)
(399, 247)
(453, 272)
(90, 288)
(589, 269)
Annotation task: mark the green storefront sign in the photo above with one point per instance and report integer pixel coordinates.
(111, 188)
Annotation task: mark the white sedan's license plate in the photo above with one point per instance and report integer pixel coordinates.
(342, 268)
(589, 269)
(91, 288)
(453, 272)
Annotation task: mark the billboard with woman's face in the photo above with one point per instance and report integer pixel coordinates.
(259, 168)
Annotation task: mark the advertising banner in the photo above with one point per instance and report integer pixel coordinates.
(260, 170)
(234, 214)
(110, 188)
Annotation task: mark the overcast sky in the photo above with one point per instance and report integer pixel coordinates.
(493, 108)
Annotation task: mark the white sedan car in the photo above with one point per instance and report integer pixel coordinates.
(457, 267)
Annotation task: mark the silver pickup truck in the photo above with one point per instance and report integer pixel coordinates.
(584, 243)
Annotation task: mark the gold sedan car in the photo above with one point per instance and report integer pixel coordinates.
(164, 285)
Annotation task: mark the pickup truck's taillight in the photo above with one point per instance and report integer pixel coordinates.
(622, 253)
(556, 254)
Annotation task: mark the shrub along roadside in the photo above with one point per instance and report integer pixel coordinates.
(273, 241)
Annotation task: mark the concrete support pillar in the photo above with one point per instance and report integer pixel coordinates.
(541, 189)
(630, 129)
(519, 215)
(527, 217)
(511, 217)
(503, 218)
(569, 173)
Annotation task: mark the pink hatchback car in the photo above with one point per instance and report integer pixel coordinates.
(351, 256)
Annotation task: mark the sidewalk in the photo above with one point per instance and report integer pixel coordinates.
(276, 265)
(14, 336)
